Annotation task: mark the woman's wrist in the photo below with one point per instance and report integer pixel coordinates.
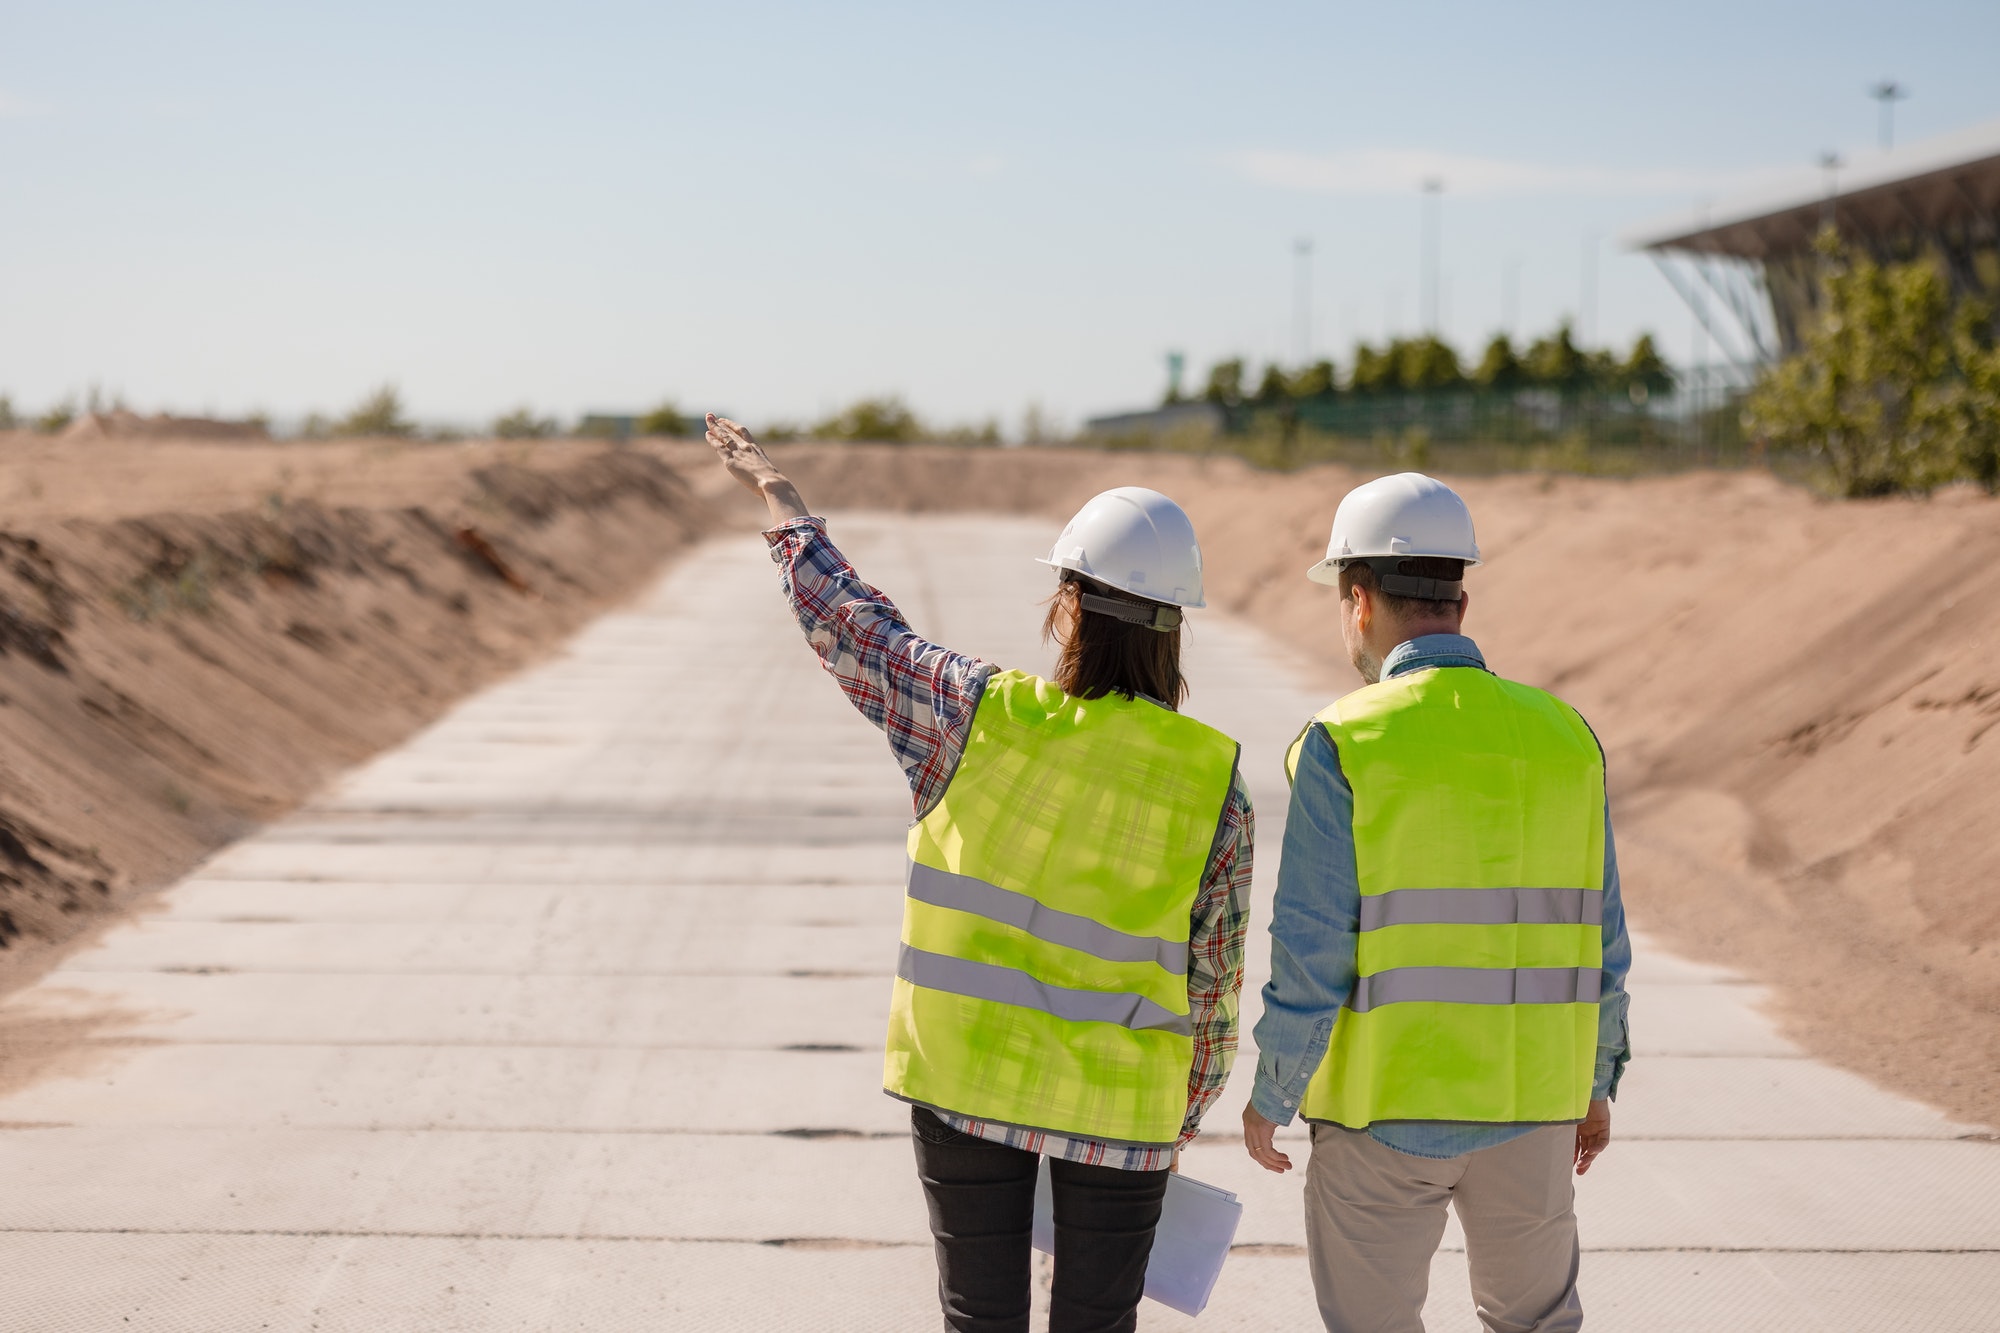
(781, 497)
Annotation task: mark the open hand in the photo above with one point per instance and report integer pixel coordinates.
(1257, 1137)
(1593, 1135)
(746, 461)
(740, 453)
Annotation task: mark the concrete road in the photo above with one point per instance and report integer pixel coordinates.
(565, 1015)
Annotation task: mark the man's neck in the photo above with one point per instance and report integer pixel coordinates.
(1372, 666)
(1402, 634)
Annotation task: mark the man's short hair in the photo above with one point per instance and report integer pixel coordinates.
(1430, 570)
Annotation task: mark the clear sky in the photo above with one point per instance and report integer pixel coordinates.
(776, 208)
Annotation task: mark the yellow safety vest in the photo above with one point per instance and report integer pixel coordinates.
(1042, 980)
(1479, 845)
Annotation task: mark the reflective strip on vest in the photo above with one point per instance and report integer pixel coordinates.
(1477, 985)
(1482, 907)
(1007, 985)
(963, 893)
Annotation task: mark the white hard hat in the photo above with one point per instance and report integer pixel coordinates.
(1408, 515)
(1137, 541)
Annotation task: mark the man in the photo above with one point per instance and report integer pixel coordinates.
(1448, 951)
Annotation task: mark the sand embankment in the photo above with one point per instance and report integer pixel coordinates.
(194, 636)
(1800, 699)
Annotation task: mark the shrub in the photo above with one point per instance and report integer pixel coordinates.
(523, 424)
(666, 419)
(57, 417)
(380, 413)
(1898, 387)
(879, 419)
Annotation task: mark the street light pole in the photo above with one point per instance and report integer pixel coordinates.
(1888, 92)
(1432, 189)
(1586, 314)
(1831, 163)
(1302, 252)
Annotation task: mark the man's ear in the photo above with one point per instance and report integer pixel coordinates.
(1464, 608)
(1364, 607)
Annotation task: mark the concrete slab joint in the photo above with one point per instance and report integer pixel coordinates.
(566, 1015)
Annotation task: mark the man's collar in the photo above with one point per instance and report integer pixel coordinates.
(1432, 650)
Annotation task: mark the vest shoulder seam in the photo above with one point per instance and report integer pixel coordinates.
(965, 743)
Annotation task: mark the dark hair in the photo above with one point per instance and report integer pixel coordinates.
(1366, 574)
(1102, 655)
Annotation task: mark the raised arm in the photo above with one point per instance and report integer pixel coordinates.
(920, 694)
(746, 461)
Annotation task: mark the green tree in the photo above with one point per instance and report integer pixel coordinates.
(1898, 386)
(1374, 371)
(523, 424)
(1426, 363)
(8, 421)
(1315, 381)
(1601, 369)
(380, 413)
(1499, 368)
(1555, 363)
(667, 420)
(1225, 382)
(1274, 388)
(885, 420)
(1645, 372)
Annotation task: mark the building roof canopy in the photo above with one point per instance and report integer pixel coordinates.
(1953, 180)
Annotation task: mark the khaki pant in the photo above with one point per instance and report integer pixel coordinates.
(1374, 1217)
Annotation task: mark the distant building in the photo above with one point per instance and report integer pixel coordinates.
(1158, 421)
(1747, 267)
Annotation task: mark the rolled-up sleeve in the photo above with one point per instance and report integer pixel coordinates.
(1220, 922)
(1614, 1039)
(1314, 923)
(921, 695)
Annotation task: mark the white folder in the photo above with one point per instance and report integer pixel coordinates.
(1197, 1226)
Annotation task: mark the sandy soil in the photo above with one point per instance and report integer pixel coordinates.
(1800, 700)
(194, 636)
(1799, 697)
(45, 476)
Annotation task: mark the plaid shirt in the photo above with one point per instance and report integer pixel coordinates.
(923, 697)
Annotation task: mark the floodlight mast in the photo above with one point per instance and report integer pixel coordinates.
(1432, 187)
(1302, 252)
(1586, 314)
(1831, 163)
(1888, 92)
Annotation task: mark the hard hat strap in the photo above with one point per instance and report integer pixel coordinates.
(1153, 615)
(1429, 590)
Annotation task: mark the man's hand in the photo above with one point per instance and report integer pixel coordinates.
(1257, 1136)
(746, 461)
(1593, 1135)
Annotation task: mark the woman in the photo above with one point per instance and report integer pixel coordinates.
(1078, 897)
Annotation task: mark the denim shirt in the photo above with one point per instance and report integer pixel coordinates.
(1317, 916)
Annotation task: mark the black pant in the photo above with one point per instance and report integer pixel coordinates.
(982, 1205)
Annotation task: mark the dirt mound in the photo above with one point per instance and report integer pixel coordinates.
(1800, 699)
(168, 681)
(122, 424)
